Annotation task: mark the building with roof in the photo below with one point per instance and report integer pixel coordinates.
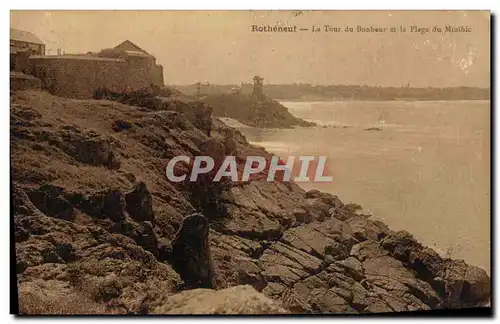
(21, 40)
(129, 46)
(141, 60)
(123, 68)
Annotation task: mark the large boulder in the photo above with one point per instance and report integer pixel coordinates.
(87, 147)
(191, 254)
(236, 300)
(198, 113)
(107, 203)
(140, 203)
(49, 199)
(458, 283)
(465, 285)
(286, 264)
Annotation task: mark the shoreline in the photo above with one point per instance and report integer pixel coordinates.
(442, 249)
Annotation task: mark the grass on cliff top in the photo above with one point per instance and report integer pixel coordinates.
(35, 161)
(73, 304)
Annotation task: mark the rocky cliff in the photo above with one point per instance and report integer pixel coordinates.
(99, 229)
(266, 113)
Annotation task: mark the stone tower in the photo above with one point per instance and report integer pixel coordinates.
(258, 87)
(198, 90)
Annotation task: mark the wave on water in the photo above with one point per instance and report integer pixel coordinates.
(298, 106)
(304, 103)
(320, 122)
(334, 123)
(383, 125)
(275, 147)
(231, 122)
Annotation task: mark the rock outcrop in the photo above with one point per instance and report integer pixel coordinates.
(250, 111)
(108, 237)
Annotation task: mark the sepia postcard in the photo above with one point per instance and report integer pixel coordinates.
(250, 162)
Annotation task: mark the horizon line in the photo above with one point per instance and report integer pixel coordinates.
(327, 85)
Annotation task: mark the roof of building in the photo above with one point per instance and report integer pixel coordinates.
(137, 54)
(129, 46)
(24, 36)
(76, 57)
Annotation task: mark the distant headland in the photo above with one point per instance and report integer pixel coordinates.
(309, 92)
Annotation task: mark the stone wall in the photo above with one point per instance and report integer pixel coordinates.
(157, 75)
(20, 81)
(34, 49)
(79, 76)
(145, 68)
(138, 72)
(19, 61)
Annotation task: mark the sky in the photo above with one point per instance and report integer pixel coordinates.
(219, 46)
